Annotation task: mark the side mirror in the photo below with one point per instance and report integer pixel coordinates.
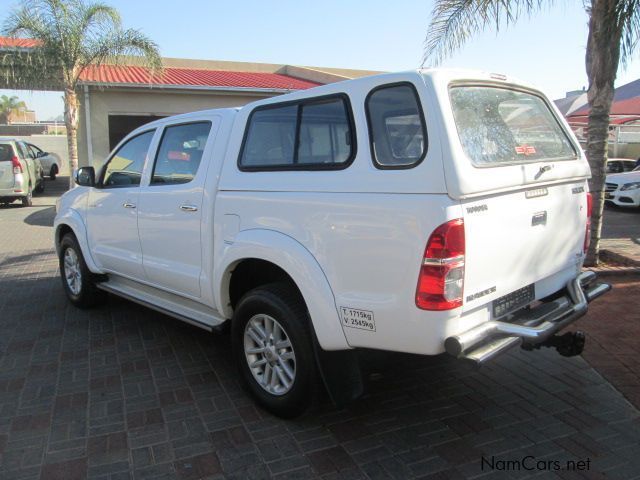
(41, 154)
(85, 176)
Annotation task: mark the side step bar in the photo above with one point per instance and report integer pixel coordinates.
(533, 326)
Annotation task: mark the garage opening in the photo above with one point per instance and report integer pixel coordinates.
(121, 125)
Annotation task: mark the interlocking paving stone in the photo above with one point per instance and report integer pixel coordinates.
(121, 392)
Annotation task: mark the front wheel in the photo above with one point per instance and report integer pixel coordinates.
(273, 348)
(77, 280)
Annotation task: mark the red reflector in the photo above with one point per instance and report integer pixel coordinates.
(440, 283)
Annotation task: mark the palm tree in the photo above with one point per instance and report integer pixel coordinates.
(8, 105)
(614, 30)
(70, 36)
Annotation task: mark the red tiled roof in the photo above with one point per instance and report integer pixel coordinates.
(110, 74)
(8, 42)
(177, 77)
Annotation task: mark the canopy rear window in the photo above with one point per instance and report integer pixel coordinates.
(501, 126)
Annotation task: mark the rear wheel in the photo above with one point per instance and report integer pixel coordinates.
(273, 348)
(77, 280)
(53, 172)
(27, 200)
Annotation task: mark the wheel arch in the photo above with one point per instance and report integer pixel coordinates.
(71, 222)
(286, 259)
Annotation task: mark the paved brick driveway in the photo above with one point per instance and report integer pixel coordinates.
(123, 392)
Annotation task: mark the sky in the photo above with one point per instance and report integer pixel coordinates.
(546, 50)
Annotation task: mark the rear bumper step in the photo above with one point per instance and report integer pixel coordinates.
(530, 327)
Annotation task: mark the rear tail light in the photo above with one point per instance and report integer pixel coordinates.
(587, 233)
(441, 279)
(17, 167)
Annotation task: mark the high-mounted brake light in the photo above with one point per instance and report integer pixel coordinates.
(441, 279)
(17, 167)
(587, 233)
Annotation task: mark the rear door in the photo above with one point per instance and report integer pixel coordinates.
(170, 207)
(523, 196)
(6, 166)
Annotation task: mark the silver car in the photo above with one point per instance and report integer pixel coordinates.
(20, 174)
(50, 161)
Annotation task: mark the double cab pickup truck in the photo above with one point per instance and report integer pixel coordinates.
(426, 212)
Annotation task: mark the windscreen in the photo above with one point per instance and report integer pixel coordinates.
(501, 126)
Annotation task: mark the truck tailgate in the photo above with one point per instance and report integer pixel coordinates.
(516, 239)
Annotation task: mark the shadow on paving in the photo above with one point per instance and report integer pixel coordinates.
(42, 218)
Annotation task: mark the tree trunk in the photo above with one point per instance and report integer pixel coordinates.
(71, 122)
(602, 58)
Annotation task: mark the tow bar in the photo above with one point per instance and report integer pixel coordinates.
(568, 345)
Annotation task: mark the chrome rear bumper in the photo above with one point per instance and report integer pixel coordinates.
(532, 326)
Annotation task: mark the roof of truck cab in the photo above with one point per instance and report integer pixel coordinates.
(185, 118)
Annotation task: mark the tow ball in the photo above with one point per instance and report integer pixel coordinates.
(568, 345)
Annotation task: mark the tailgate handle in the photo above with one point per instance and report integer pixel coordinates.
(543, 169)
(539, 218)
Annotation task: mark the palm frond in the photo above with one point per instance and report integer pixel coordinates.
(453, 22)
(72, 35)
(628, 20)
(130, 46)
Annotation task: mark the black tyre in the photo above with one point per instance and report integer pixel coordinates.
(53, 172)
(40, 186)
(77, 280)
(273, 348)
(27, 201)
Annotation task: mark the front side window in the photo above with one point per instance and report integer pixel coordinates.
(126, 165)
(180, 153)
(311, 134)
(396, 126)
(502, 126)
(33, 151)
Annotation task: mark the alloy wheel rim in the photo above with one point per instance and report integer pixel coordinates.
(72, 272)
(269, 354)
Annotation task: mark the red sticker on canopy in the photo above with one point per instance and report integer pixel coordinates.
(525, 150)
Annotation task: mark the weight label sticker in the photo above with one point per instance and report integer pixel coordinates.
(354, 318)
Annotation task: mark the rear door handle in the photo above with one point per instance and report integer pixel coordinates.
(189, 208)
(129, 205)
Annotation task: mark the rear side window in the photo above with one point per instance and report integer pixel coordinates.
(396, 126)
(180, 153)
(6, 152)
(313, 134)
(502, 126)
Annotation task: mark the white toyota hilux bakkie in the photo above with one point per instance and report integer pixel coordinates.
(422, 212)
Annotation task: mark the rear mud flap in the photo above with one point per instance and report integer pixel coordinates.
(340, 372)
